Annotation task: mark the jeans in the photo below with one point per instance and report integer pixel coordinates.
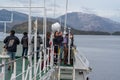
(61, 51)
(25, 51)
(11, 54)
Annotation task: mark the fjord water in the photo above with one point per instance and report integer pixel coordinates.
(103, 53)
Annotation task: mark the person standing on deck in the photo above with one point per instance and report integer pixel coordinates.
(48, 39)
(56, 46)
(39, 41)
(11, 43)
(24, 42)
(65, 43)
(60, 40)
(71, 45)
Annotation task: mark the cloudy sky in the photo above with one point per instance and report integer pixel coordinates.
(104, 8)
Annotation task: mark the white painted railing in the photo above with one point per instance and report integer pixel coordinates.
(48, 70)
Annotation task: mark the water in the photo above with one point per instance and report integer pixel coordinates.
(103, 53)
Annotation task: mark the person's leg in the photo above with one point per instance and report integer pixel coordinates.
(26, 51)
(13, 58)
(61, 52)
(37, 53)
(9, 65)
(13, 55)
(65, 55)
(23, 52)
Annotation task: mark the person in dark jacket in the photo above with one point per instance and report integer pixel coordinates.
(39, 41)
(60, 40)
(58, 45)
(48, 39)
(11, 43)
(24, 42)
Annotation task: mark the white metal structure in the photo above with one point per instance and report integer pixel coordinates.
(7, 21)
(44, 68)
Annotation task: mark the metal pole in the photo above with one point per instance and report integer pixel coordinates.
(43, 40)
(48, 58)
(35, 48)
(69, 41)
(14, 70)
(29, 40)
(65, 25)
(3, 68)
(44, 68)
(40, 62)
(23, 69)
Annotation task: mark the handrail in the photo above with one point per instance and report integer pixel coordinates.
(1, 65)
(22, 73)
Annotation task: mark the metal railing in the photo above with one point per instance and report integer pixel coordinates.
(39, 70)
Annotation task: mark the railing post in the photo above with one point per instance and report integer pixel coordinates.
(29, 41)
(23, 69)
(3, 68)
(40, 53)
(52, 56)
(35, 47)
(44, 67)
(48, 58)
(14, 71)
(73, 73)
(69, 42)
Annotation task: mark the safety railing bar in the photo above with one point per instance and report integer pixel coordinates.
(25, 70)
(44, 74)
(1, 65)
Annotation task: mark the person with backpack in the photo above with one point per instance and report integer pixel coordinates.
(24, 42)
(11, 43)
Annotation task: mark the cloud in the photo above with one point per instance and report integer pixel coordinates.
(107, 13)
(113, 14)
(56, 5)
(101, 12)
(87, 10)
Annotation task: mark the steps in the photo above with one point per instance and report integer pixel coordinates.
(66, 73)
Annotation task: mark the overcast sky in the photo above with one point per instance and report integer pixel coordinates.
(104, 8)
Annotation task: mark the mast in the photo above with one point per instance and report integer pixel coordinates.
(65, 24)
(44, 36)
(29, 40)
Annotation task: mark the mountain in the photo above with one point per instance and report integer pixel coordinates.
(20, 28)
(18, 18)
(6, 15)
(90, 22)
(78, 21)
